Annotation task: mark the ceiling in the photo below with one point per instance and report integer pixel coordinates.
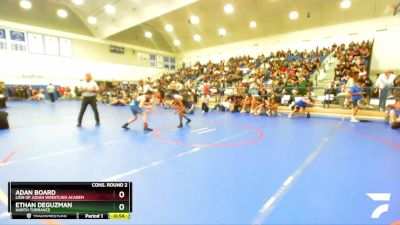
(134, 17)
(42, 14)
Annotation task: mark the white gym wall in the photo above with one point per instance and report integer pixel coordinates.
(89, 55)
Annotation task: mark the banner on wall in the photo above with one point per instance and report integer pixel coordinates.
(2, 33)
(160, 61)
(65, 47)
(172, 63)
(3, 43)
(17, 41)
(166, 62)
(143, 56)
(153, 61)
(51, 46)
(17, 36)
(35, 43)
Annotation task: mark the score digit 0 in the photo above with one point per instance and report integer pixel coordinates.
(121, 194)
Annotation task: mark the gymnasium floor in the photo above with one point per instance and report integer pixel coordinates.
(222, 169)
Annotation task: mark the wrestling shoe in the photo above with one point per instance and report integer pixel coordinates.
(148, 129)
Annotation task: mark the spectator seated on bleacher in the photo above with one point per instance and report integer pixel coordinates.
(354, 58)
(120, 100)
(37, 95)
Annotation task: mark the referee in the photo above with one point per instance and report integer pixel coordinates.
(50, 90)
(88, 89)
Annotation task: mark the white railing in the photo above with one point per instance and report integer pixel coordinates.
(325, 66)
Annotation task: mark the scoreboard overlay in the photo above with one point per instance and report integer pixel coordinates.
(70, 200)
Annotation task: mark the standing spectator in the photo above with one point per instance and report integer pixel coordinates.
(366, 84)
(396, 89)
(89, 89)
(346, 88)
(146, 87)
(384, 83)
(356, 95)
(206, 89)
(50, 90)
(61, 92)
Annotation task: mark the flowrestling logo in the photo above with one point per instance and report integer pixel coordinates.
(381, 209)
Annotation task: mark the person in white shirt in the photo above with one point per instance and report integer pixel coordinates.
(347, 87)
(50, 90)
(89, 89)
(384, 83)
(223, 106)
(146, 87)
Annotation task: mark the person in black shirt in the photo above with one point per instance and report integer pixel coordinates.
(396, 88)
(366, 85)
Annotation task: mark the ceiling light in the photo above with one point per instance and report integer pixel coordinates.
(194, 20)
(345, 4)
(253, 24)
(92, 20)
(222, 32)
(169, 28)
(293, 15)
(110, 9)
(148, 34)
(197, 37)
(62, 13)
(78, 2)
(229, 9)
(177, 42)
(25, 4)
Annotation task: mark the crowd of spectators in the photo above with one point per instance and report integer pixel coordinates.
(283, 72)
(240, 84)
(352, 66)
(36, 93)
(243, 84)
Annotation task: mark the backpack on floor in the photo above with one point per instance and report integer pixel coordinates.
(3, 120)
(3, 102)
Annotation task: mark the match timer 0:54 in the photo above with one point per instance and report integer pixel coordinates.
(70, 200)
(119, 216)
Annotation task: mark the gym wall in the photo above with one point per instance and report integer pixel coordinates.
(89, 55)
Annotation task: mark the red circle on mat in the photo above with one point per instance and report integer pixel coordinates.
(260, 136)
